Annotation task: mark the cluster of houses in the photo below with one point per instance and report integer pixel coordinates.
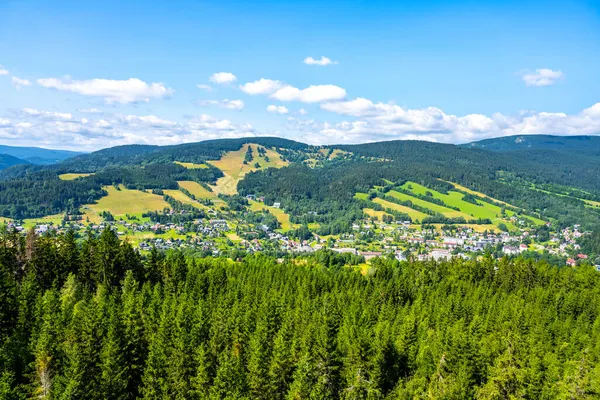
(400, 239)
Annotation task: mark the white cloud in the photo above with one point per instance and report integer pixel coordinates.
(46, 114)
(312, 94)
(3, 71)
(302, 111)
(132, 90)
(261, 86)
(365, 121)
(381, 121)
(229, 104)
(206, 88)
(322, 61)
(277, 109)
(542, 77)
(222, 78)
(19, 83)
(91, 110)
(62, 130)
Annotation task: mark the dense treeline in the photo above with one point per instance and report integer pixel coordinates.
(499, 175)
(36, 194)
(49, 195)
(92, 319)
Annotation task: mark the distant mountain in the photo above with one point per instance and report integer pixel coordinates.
(6, 160)
(588, 144)
(37, 155)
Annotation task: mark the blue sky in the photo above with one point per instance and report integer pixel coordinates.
(86, 75)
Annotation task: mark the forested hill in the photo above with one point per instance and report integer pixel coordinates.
(547, 142)
(550, 184)
(7, 160)
(37, 155)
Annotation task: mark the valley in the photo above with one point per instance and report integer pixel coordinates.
(264, 194)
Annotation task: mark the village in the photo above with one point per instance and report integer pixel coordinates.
(370, 239)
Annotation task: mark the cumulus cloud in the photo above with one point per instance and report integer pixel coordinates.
(222, 78)
(542, 77)
(312, 94)
(3, 71)
(226, 103)
(323, 61)
(132, 90)
(277, 109)
(206, 88)
(19, 83)
(362, 121)
(63, 130)
(261, 86)
(47, 114)
(302, 111)
(381, 121)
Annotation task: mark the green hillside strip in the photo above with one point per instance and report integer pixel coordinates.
(412, 213)
(484, 210)
(591, 203)
(447, 212)
(454, 199)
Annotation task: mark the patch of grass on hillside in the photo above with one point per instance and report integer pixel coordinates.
(126, 201)
(183, 198)
(232, 165)
(201, 193)
(483, 210)
(447, 212)
(412, 213)
(70, 177)
(190, 165)
(475, 193)
(55, 220)
(197, 190)
(282, 216)
(454, 199)
(375, 214)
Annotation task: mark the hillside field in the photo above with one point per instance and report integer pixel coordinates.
(282, 216)
(72, 176)
(232, 165)
(190, 165)
(125, 201)
(447, 212)
(412, 213)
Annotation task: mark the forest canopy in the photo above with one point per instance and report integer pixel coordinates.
(91, 318)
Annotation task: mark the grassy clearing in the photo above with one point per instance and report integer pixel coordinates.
(234, 237)
(182, 197)
(197, 190)
(48, 220)
(70, 177)
(591, 203)
(232, 165)
(375, 214)
(447, 212)
(282, 217)
(412, 213)
(190, 165)
(362, 196)
(454, 199)
(201, 193)
(475, 193)
(126, 201)
(482, 210)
